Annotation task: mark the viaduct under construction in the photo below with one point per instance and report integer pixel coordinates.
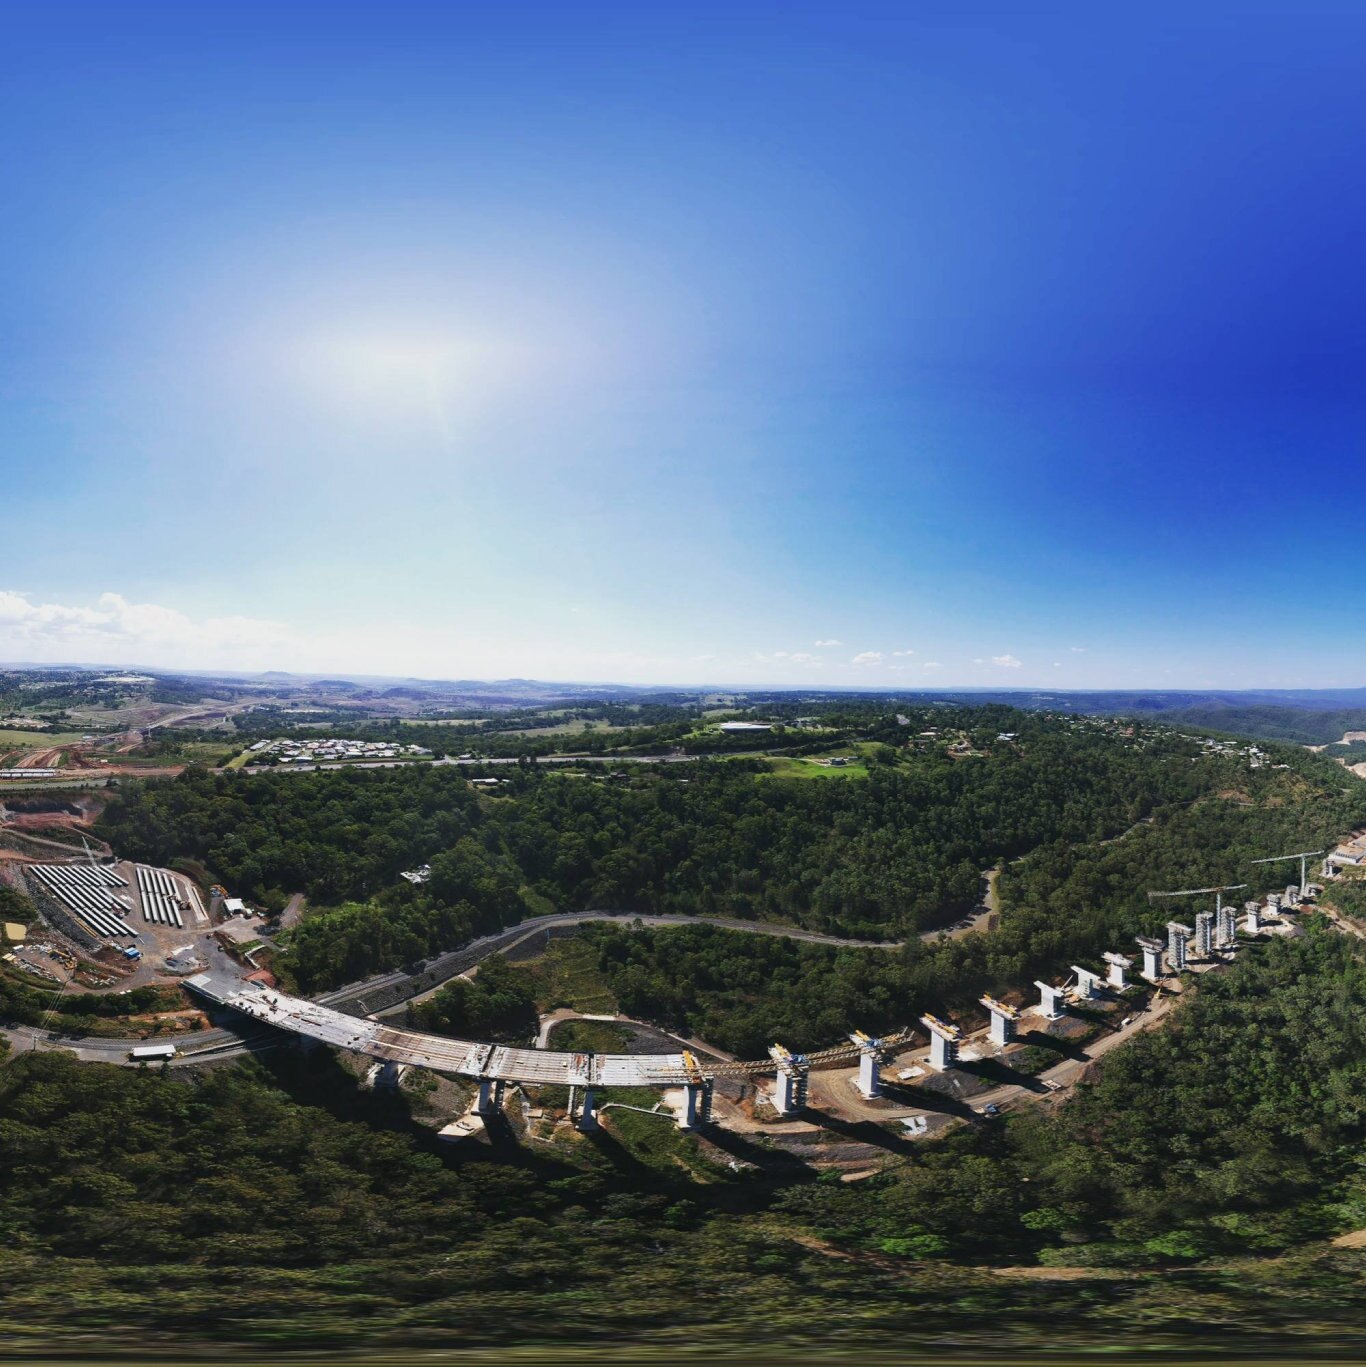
(492, 1067)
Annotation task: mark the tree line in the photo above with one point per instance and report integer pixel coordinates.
(884, 857)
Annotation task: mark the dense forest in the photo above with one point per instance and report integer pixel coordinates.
(1060, 904)
(497, 1004)
(883, 857)
(288, 1209)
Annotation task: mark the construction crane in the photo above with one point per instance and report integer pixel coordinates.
(1303, 856)
(1196, 892)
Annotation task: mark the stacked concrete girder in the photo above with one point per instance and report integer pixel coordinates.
(1204, 934)
(1252, 917)
(1050, 1001)
(1119, 966)
(789, 1095)
(1177, 935)
(1152, 957)
(869, 1061)
(1003, 1021)
(1087, 982)
(944, 1041)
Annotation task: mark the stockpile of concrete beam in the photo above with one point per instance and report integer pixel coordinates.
(88, 891)
(160, 900)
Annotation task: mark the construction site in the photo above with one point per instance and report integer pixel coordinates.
(1025, 1047)
(116, 924)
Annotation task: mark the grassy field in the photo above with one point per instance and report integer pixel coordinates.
(784, 766)
(570, 977)
(597, 1037)
(577, 726)
(38, 740)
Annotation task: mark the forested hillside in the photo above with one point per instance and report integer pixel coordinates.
(1305, 725)
(881, 857)
(289, 1210)
(1060, 904)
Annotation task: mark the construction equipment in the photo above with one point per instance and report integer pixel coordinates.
(1303, 856)
(1196, 892)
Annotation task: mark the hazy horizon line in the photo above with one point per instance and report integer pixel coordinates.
(352, 676)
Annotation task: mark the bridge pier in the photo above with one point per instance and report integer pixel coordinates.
(869, 1082)
(696, 1105)
(1119, 968)
(789, 1091)
(1003, 1021)
(588, 1115)
(1087, 982)
(1050, 1001)
(387, 1076)
(1225, 928)
(1152, 958)
(944, 1039)
(1204, 934)
(1176, 945)
(490, 1099)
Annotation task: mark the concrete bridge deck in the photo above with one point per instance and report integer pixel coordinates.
(489, 1062)
(463, 1058)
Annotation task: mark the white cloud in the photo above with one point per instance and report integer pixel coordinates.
(1078, 650)
(827, 645)
(114, 627)
(788, 657)
(867, 657)
(932, 664)
(903, 652)
(1057, 664)
(1005, 661)
(979, 662)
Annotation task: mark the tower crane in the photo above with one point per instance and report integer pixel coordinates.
(1303, 856)
(1195, 892)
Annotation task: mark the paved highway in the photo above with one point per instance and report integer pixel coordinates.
(501, 759)
(399, 988)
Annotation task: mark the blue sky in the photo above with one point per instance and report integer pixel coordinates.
(899, 345)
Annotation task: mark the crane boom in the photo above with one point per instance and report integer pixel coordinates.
(1192, 892)
(1303, 856)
